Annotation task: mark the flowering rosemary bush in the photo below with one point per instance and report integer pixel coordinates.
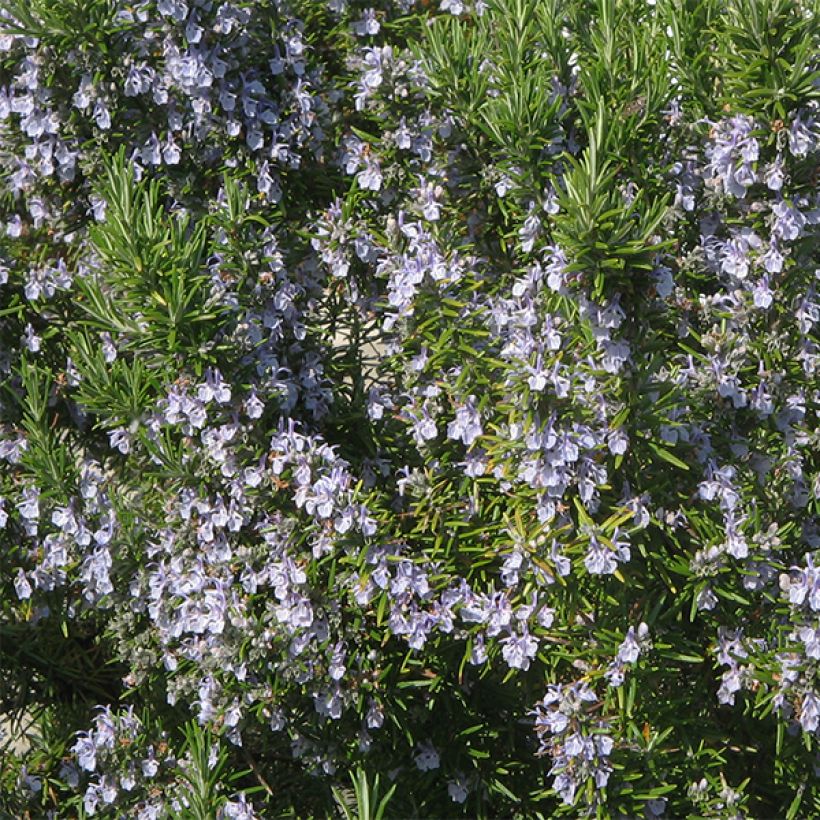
(421, 393)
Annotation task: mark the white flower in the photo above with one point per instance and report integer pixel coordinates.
(427, 758)
(457, 788)
(86, 753)
(21, 585)
(29, 507)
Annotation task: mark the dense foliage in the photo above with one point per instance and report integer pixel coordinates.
(409, 409)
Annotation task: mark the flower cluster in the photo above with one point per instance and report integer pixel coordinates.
(367, 368)
(578, 746)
